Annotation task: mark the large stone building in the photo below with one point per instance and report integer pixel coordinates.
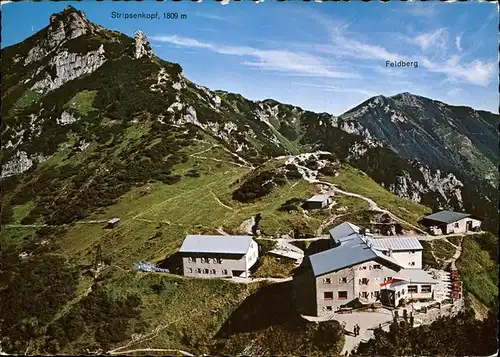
(362, 269)
(448, 222)
(218, 256)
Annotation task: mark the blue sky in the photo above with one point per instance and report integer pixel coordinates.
(325, 57)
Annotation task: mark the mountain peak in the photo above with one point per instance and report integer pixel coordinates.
(66, 25)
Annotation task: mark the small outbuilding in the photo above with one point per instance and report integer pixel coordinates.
(112, 223)
(448, 222)
(319, 201)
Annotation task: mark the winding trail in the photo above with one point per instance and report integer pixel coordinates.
(430, 238)
(245, 164)
(311, 176)
(217, 198)
(373, 205)
(454, 258)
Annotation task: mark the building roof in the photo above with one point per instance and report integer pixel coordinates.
(399, 243)
(446, 216)
(343, 230)
(351, 252)
(417, 276)
(216, 244)
(320, 198)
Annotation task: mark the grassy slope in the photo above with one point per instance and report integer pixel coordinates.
(275, 267)
(169, 305)
(442, 249)
(356, 181)
(479, 269)
(156, 217)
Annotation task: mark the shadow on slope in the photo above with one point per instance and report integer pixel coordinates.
(267, 323)
(270, 306)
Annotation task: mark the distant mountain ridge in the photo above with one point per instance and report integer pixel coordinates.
(75, 92)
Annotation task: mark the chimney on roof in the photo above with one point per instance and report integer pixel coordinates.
(390, 252)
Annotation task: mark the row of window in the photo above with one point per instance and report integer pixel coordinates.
(328, 295)
(207, 271)
(362, 281)
(423, 289)
(329, 280)
(372, 294)
(370, 267)
(342, 295)
(206, 260)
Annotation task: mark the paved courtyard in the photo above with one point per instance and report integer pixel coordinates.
(367, 321)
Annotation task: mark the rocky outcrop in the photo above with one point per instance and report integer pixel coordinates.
(142, 47)
(66, 119)
(447, 186)
(17, 165)
(68, 66)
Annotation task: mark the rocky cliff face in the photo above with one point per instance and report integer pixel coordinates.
(66, 66)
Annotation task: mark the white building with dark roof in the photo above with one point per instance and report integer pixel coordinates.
(211, 256)
(363, 269)
(319, 201)
(448, 222)
(407, 251)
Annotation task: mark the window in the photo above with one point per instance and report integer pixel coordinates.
(425, 289)
(342, 295)
(205, 271)
(328, 295)
(224, 271)
(342, 280)
(218, 260)
(198, 271)
(212, 271)
(456, 225)
(377, 266)
(329, 308)
(190, 270)
(192, 260)
(205, 260)
(363, 281)
(364, 294)
(399, 293)
(376, 293)
(412, 289)
(403, 291)
(389, 278)
(327, 281)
